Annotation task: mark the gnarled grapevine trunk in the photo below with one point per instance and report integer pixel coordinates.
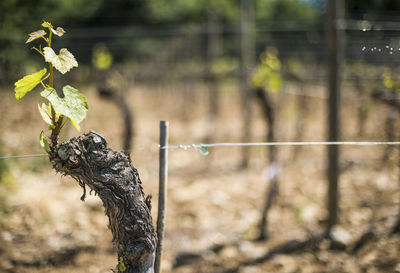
(268, 110)
(112, 177)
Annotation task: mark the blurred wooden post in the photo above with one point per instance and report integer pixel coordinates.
(396, 227)
(213, 53)
(335, 58)
(162, 193)
(247, 61)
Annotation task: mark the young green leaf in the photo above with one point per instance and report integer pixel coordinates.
(35, 35)
(44, 143)
(63, 62)
(121, 265)
(45, 113)
(47, 24)
(59, 31)
(102, 58)
(74, 105)
(27, 83)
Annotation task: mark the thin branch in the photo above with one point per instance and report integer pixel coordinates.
(41, 81)
(40, 52)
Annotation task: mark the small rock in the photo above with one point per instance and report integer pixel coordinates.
(310, 212)
(340, 238)
(229, 252)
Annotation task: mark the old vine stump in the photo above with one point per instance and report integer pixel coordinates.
(113, 178)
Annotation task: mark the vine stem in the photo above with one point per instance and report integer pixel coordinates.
(56, 131)
(40, 52)
(57, 123)
(50, 64)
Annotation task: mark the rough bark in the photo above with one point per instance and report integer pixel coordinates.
(113, 178)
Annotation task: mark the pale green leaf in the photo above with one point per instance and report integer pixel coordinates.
(274, 83)
(45, 113)
(102, 58)
(63, 62)
(121, 265)
(47, 24)
(35, 35)
(74, 105)
(44, 143)
(59, 31)
(27, 83)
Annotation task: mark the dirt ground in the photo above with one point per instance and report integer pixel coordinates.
(213, 205)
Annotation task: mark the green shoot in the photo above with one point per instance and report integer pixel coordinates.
(73, 106)
(267, 73)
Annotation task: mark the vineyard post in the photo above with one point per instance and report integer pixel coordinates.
(213, 53)
(335, 60)
(247, 60)
(162, 192)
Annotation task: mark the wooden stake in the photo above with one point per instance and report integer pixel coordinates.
(335, 61)
(162, 192)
